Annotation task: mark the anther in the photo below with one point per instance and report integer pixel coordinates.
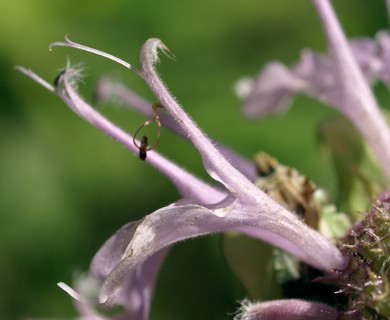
(143, 148)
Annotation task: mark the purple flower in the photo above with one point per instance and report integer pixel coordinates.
(340, 78)
(128, 263)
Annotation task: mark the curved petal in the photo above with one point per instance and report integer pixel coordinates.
(112, 251)
(341, 78)
(315, 74)
(215, 164)
(137, 288)
(247, 209)
(272, 91)
(293, 309)
(187, 184)
(178, 222)
(359, 102)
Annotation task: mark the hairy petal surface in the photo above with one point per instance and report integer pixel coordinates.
(247, 209)
(183, 221)
(136, 290)
(251, 199)
(286, 310)
(188, 185)
(217, 166)
(137, 287)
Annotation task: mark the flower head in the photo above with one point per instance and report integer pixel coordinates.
(128, 263)
(339, 79)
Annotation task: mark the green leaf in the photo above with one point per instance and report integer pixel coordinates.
(251, 261)
(333, 224)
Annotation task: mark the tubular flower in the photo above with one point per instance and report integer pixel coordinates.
(128, 263)
(340, 78)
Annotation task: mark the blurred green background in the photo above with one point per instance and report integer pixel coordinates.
(65, 187)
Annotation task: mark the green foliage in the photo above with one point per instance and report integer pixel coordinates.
(251, 261)
(359, 177)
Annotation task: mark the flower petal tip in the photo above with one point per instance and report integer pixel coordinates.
(153, 46)
(60, 43)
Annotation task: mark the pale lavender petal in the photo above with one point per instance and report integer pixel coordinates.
(358, 102)
(272, 90)
(322, 77)
(286, 229)
(110, 89)
(340, 78)
(248, 210)
(315, 74)
(137, 288)
(112, 251)
(294, 235)
(182, 221)
(187, 184)
(293, 309)
(216, 165)
(368, 57)
(134, 296)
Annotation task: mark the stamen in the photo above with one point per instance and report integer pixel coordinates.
(143, 148)
(69, 43)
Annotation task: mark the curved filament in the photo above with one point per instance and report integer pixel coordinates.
(143, 148)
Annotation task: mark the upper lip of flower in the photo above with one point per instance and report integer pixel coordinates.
(243, 208)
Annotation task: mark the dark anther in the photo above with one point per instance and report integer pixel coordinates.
(57, 79)
(143, 148)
